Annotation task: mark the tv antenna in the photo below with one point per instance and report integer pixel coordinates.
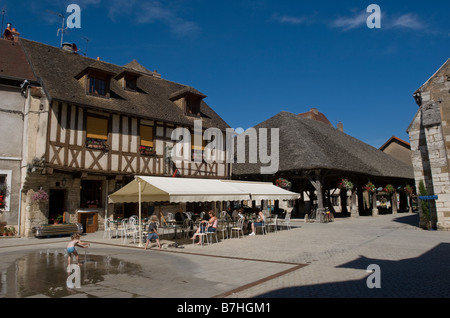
(62, 29)
(3, 19)
(87, 43)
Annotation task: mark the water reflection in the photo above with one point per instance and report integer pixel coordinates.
(45, 273)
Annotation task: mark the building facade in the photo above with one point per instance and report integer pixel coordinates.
(429, 135)
(91, 126)
(15, 76)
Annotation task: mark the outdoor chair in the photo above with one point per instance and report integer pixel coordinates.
(273, 223)
(201, 237)
(238, 228)
(210, 235)
(222, 227)
(130, 230)
(121, 228)
(107, 231)
(287, 221)
(262, 227)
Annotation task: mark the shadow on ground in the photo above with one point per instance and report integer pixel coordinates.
(423, 277)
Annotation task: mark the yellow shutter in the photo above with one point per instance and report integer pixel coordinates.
(196, 147)
(146, 136)
(97, 128)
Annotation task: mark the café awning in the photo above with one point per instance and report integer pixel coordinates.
(263, 190)
(162, 189)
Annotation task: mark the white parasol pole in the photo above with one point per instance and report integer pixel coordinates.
(140, 213)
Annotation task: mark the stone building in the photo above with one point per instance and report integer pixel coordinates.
(398, 148)
(91, 126)
(15, 76)
(429, 135)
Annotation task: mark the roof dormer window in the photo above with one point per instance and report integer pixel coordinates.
(97, 86)
(128, 80)
(96, 81)
(189, 100)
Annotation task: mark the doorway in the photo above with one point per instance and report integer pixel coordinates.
(57, 204)
(89, 221)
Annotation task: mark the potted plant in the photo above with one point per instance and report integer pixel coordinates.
(283, 183)
(345, 184)
(370, 187)
(5, 231)
(58, 219)
(11, 231)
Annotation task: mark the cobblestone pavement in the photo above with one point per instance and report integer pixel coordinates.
(310, 260)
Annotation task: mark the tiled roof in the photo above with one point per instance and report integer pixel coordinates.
(13, 62)
(58, 70)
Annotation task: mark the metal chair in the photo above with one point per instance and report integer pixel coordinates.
(107, 231)
(262, 227)
(201, 236)
(287, 221)
(222, 227)
(238, 228)
(130, 229)
(274, 223)
(211, 234)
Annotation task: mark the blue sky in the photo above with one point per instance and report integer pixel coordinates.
(255, 58)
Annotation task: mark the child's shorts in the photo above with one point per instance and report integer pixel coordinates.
(70, 250)
(152, 236)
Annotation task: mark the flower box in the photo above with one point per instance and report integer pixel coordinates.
(147, 151)
(92, 143)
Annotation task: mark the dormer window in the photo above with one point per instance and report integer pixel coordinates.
(131, 83)
(97, 86)
(189, 100)
(96, 81)
(128, 80)
(192, 107)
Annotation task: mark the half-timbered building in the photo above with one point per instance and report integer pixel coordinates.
(96, 125)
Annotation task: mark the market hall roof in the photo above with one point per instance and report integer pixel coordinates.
(58, 69)
(307, 145)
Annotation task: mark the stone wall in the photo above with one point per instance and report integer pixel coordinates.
(429, 135)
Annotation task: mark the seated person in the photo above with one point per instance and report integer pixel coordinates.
(180, 216)
(259, 220)
(209, 225)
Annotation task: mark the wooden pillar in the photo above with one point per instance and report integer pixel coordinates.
(317, 184)
(375, 211)
(394, 202)
(354, 211)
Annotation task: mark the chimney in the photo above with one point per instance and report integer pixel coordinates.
(69, 47)
(340, 126)
(11, 33)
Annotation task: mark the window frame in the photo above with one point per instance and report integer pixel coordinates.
(93, 142)
(7, 175)
(146, 150)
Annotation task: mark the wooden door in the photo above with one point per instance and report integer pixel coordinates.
(89, 221)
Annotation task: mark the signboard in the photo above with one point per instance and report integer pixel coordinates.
(428, 197)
